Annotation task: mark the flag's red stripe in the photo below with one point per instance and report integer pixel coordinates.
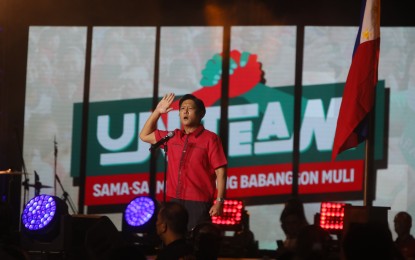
(358, 95)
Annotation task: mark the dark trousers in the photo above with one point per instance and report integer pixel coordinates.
(198, 211)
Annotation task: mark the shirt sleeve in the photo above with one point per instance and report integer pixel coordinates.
(217, 155)
(159, 134)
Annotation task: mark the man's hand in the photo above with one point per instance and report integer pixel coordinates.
(164, 106)
(216, 209)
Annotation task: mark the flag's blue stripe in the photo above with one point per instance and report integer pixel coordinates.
(362, 130)
(362, 14)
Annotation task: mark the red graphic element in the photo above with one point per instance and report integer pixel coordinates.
(243, 79)
(243, 182)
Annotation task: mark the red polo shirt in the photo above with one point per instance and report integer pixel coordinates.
(192, 160)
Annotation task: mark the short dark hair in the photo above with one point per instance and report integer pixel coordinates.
(293, 206)
(175, 216)
(405, 215)
(199, 104)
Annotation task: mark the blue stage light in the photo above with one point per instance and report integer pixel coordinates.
(41, 216)
(39, 212)
(139, 215)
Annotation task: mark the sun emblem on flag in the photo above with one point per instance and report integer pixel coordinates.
(366, 34)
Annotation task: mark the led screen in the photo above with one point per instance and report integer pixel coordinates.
(260, 112)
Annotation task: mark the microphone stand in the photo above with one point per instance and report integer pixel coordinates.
(165, 172)
(66, 198)
(55, 155)
(153, 159)
(25, 183)
(153, 170)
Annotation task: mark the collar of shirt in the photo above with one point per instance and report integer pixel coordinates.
(196, 133)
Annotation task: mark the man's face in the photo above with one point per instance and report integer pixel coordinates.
(189, 115)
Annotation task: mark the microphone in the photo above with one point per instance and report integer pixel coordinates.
(37, 179)
(55, 145)
(162, 141)
(37, 184)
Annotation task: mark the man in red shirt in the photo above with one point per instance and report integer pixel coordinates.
(196, 160)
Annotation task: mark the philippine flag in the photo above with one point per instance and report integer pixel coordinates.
(359, 91)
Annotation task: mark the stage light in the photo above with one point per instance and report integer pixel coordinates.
(232, 216)
(238, 240)
(41, 217)
(332, 216)
(140, 215)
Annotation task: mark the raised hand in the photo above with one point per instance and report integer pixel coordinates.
(164, 106)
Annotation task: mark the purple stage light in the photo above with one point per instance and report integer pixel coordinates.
(39, 212)
(139, 211)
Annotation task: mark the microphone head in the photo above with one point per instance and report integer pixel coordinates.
(170, 134)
